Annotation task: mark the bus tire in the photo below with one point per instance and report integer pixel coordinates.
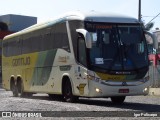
(21, 89)
(14, 89)
(118, 99)
(67, 92)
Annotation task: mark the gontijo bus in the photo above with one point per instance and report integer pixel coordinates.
(79, 54)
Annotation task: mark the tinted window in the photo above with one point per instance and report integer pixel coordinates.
(82, 51)
(52, 37)
(74, 35)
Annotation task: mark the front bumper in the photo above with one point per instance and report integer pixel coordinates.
(101, 90)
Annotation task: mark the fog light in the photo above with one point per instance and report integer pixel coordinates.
(145, 90)
(98, 90)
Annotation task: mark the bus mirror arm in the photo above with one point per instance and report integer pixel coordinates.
(155, 41)
(87, 36)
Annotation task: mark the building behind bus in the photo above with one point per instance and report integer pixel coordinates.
(11, 23)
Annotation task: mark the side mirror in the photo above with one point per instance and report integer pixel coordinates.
(154, 38)
(87, 36)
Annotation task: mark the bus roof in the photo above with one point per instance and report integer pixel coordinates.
(100, 17)
(84, 16)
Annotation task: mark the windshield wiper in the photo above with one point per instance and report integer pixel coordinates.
(121, 49)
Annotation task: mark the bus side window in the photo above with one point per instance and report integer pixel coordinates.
(82, 51)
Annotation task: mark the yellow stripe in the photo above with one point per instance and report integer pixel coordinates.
(104, 76)
(22, 65)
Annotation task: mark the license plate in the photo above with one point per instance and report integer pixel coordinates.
(123, 90)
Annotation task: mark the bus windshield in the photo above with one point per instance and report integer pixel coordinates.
(117, 46)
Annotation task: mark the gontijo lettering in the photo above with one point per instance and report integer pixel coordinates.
(21, 61)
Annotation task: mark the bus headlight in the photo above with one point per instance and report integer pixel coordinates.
(91, 76)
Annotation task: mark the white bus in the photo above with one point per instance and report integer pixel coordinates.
(78, 55)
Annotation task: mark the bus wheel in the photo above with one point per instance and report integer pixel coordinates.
(20, 87)
(67, 93)
(14, 90)
(118, 99)
(21, 90)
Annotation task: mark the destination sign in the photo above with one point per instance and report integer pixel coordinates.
(98, 26)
